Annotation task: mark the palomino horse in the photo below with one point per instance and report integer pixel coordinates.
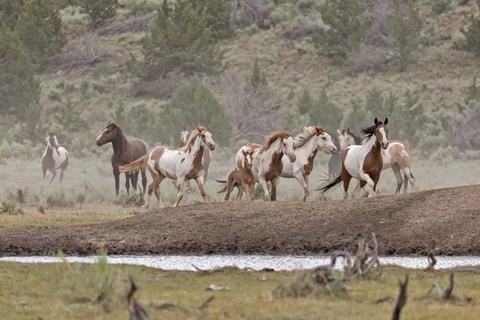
(397, 156)
(124, 151)
(177, 164)
(184, 135)
(54, 157)
(345, 138)
(267, 160)
(363, 162)
(306, 145)
(243, 179)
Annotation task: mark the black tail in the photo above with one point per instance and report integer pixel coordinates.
(329, 185)
(223, 186)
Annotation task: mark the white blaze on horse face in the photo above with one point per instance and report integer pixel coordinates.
(101, 134)
(325, 143)
(384, 140)
(287, 146)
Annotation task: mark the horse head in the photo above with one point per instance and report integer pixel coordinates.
(184, 133)
(52, 141)
(286, 143)
(248, 158)
(324, 141)
(381, 132)
(345, 138)
(206, 138)
(108, 134)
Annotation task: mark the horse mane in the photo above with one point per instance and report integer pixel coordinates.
(370, 131)
(272, 137)
(306, 134)
(191, 140)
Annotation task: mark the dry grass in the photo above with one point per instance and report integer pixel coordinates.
(178, 295)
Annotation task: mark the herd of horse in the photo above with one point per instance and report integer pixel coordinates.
(281, 156)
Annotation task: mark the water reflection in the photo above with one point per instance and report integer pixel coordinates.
(254, 262)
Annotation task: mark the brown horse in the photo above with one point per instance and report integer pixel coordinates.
(243, 179)
(363, 162)
(124, 152)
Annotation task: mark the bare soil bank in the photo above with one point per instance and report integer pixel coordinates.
(404, 224)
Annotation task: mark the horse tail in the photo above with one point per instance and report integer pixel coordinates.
(223, 186)
(140, 163)
(329, 184)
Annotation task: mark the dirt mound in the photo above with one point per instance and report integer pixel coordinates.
(404, 224)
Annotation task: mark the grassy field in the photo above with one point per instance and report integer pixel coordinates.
(47, 291)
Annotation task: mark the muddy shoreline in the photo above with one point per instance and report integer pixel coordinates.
(404, 224)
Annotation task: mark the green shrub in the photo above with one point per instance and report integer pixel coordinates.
(10, 207)
(440, 6)
(58, 200)
(102, 279)
(40, 29)
(99, 10)
(10, 10)
(346, 27)
(18, 86)
(181, 40)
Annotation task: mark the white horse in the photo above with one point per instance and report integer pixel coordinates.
(397, 156)
(177, 164)
(184, 135)
(306, 145)
(54, 158)
(267, 160)
(363, 162)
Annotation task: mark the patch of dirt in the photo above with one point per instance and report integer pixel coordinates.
(404, 224)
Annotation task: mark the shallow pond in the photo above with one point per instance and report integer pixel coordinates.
(254, 262)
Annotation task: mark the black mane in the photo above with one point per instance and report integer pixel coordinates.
(370, 131)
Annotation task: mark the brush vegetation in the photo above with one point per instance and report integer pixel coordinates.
(73, 291)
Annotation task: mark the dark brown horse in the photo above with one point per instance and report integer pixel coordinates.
(124, 152)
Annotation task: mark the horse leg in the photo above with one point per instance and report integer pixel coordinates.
(301, 179)
(408, 177)
(54, 173)
(144, 180)
(180, 185)
(61, 175)
(240, 189)
(116, 175)
(275, 183)
(398, 176)
(201, 188)
(251, 190)
(375, 178)
(346, 177)
(367, 178)
(230, 186)
(149, 195)
(263, 183)
(134, 179)
(156, 189)
(127, 182)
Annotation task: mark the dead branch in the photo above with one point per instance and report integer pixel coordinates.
(402, 298)
(206, 303)
(448, 291)
(134, 24)
(431, 256)
(201, 270)
(83, 54)
(135, 309)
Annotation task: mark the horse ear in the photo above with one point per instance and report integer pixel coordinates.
(375, 121)
(338, 131)
(348, 130)
(386, 121)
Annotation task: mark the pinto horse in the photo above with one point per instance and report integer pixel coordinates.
(54, 157)
(184, 135)
(397, 156)
(267, 160)
(177, 164)
(243, 179)
(306, 146)
(363, 162)
(124, 151)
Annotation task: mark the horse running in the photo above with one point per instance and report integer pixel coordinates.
(177, 164)
(184, 135)
(54, 158)
(397, 156)
(363, 162)
(306, 146)
(243, 179)
(335, 162)
(124, 151)
(267, 160)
